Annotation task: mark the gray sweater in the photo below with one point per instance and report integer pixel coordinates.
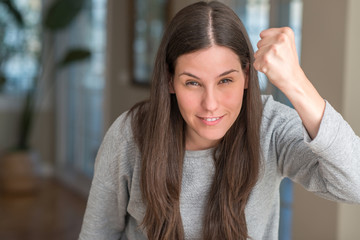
(329, 166)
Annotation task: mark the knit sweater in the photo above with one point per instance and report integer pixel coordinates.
(328, 165)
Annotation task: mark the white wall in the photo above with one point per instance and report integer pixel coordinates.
(349, 215)
(330, 59)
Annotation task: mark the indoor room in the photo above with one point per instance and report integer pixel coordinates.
(69, 69)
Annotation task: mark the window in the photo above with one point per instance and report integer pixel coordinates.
(19, 46)
(293, 10)
(258, 15)
(148, 26)
(80, 96)
(255, 15)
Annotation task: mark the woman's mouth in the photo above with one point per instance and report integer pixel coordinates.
(210, 121)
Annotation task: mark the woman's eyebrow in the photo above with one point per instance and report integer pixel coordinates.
(189, 74)
(228, 72)
(221, 75)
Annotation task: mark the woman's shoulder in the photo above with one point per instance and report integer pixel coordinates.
(278, 118)
(117, 153)
(121, 127)
(125, 131)
(125, 123)
(273, 109)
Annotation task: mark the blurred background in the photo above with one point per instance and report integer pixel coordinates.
(69, 68)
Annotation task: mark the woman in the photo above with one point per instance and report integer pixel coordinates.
(204, 157)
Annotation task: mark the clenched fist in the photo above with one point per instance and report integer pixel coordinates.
(277, 58)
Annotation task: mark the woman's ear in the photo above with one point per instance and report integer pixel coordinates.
(246, 76)
(171, 86)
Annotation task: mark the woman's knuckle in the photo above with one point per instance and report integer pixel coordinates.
(266, 59)
(282, 37)
(274, 49)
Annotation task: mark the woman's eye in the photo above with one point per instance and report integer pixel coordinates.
(192, 83)
(225, 80)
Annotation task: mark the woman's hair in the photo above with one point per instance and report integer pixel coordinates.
(159, 131)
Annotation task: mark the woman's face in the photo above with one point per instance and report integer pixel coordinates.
(209, 86)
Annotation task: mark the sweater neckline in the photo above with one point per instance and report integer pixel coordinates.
(199, 153)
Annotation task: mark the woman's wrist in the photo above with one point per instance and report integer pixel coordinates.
(307, 102)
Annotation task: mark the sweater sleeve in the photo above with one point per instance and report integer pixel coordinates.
(108, 199)
(328, 165)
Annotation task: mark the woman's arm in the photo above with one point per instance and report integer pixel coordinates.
(106, 208)
(277, 58)
(105, 213)
(329, 165)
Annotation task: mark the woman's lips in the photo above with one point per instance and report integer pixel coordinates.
(210, 121)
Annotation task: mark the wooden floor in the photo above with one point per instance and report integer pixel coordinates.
(53, 212)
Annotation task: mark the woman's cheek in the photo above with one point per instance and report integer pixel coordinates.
(187, 100)
(233, 99)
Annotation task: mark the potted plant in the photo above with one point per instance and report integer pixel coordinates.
(17, 164)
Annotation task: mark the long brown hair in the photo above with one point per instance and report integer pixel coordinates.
(159, 131)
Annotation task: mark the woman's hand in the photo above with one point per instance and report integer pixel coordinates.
(278, 60)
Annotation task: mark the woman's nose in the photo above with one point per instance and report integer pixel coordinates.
(210, 100)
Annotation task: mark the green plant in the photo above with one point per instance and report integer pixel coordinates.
(59, 16)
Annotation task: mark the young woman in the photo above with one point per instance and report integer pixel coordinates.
(203, 158)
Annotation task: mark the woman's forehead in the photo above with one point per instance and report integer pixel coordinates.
(216, 59)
